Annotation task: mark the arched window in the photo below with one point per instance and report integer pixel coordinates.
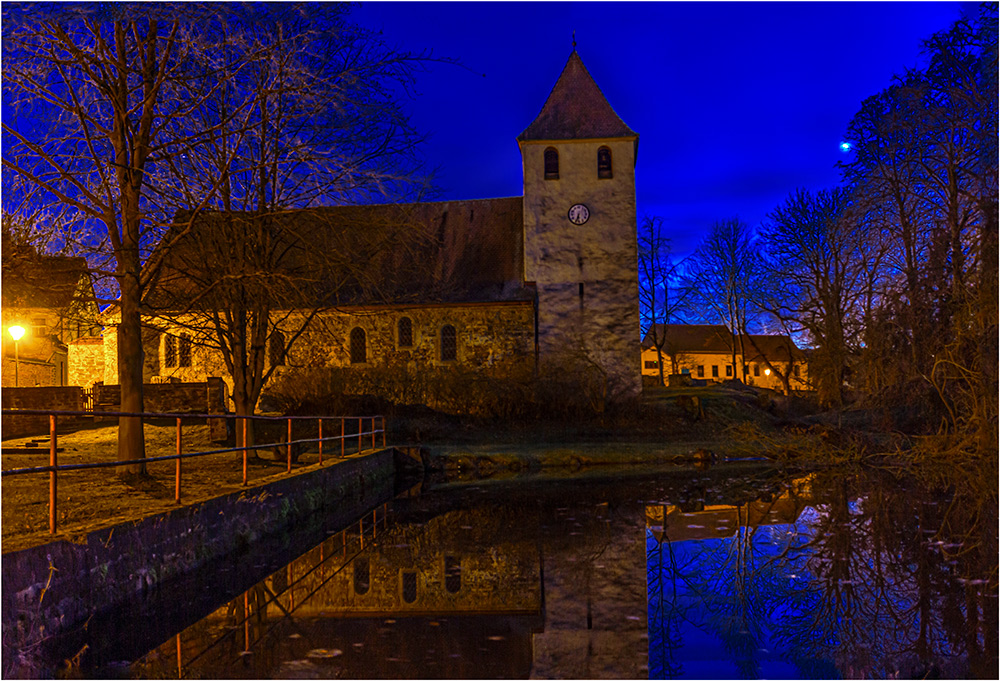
(362, 576)
(409, 587)
(184, 350)
(448, 343)
(452, 574)
(169, 350)
(276, 349)
(404, 335)
(604, 163)
(551, 164)
(359, 350)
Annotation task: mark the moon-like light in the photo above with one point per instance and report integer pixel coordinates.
(845, 147)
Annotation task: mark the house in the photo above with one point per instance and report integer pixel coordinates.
(52, 299)
(706, 351)
(546, 280)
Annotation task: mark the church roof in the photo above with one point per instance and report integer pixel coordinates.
(576, 109)
(51, 281)
(435, 252)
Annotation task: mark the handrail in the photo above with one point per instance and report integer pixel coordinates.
(53, 467)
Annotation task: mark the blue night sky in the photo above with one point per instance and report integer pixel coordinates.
(736, 104)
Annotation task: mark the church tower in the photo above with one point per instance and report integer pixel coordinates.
(578, 159)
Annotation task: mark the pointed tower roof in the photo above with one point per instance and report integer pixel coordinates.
(576, 109)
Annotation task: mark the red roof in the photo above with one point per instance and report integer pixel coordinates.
(576, 109)
(716, 338)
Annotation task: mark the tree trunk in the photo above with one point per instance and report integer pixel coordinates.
(131, 445)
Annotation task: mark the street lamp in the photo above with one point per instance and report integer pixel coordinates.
(16, 332)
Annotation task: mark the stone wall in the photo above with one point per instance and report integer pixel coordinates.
(586, 276)
(29, 373)
(55, 398)
(487, 335)
(205, 397)
(86, 361)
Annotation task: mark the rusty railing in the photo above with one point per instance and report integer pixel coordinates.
(54, 467)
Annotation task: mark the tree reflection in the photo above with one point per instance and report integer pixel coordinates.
(881, 575)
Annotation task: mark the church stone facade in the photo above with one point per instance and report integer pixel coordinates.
(544, 282)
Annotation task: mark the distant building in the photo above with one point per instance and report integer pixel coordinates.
(547, 278)
(705, 351)
(52, 299)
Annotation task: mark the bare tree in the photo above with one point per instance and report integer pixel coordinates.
(661, 298)
(96, 87)
(721, 275)
(251, 269)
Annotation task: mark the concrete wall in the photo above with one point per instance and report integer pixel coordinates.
(597, 259)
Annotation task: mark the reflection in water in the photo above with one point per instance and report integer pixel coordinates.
(859, 576)
(722, 573)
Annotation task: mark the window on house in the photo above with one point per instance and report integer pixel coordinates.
(409, 587)
(362, 580)
(359, 349)
(276, 349)
(449, 345)
(404, 335)
(551, 164)
(452, 574)
(169, 350)
(756, 370)
(184, 350)
(715, 371)
(701, 371)
(685, 370)
(795, 370)
(39, 329)
(746, 370)
(729, 370)
(604, 163)
(651, 364)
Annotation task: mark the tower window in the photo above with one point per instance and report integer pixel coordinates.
(276, 350)
(409, 587)
(362, 576)
(452, 574)
(604, 163)
(359, 350)
(551, 164)
(449, 349)
(404, 335)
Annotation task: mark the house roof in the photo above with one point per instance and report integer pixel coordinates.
(448, 251)
(576, 109)
(716, 338)
(51, 282)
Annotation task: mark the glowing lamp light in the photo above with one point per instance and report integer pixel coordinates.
(767, 372)
(845, 147)
(16, 332)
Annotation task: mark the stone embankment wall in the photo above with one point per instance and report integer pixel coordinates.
(55, 398)
(55, 588)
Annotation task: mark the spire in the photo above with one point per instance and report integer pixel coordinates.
(576, 108)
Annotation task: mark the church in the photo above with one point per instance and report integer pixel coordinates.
(546, 281)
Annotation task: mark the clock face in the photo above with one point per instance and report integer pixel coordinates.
(579, 214)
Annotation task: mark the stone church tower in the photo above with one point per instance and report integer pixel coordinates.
(580, 229)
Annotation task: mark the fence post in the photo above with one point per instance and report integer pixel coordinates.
(52, 474)
(360, 429)
(177, 477)
(383, 431)
(289, 447)
(244, 451)
(342, 440)
(320, 442)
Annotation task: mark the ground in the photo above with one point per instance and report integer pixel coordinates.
(670, 424)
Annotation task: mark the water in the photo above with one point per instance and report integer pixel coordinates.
(726, 572)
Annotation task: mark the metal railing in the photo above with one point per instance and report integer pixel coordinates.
(54, 467)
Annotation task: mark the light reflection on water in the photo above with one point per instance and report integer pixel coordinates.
(725, 573)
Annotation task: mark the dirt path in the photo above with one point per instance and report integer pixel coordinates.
(88, 500)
